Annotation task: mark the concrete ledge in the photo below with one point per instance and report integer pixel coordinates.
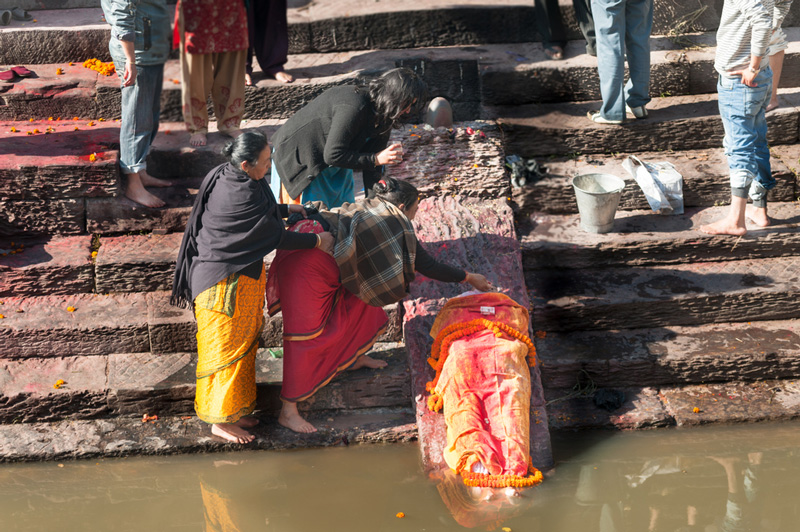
(61, 265)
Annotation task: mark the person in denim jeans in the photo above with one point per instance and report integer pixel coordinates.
(139, 46)
(744, 88)
(622, 28)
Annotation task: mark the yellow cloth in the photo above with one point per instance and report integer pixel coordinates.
(230, 317)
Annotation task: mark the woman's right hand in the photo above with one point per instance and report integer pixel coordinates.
(479, 282)
(391, 155)
(326, 242)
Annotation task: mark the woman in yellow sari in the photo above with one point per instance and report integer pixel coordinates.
(235, 223)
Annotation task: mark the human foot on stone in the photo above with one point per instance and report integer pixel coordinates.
(232, 433)
(248, 80)
(283, 77)
(368, 362)
(724, 227)
(135, 191)
(292, 420)
(198, 139)
(758, 215)
(150, 181)
(773, 104)
(246, 422)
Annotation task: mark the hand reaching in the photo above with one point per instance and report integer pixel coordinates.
(479, 282)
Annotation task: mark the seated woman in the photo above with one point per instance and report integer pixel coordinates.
(332, 306)
(483, 383)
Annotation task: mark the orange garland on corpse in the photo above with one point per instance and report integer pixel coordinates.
(485, 480)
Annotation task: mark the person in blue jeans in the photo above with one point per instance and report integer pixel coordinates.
(744, 90)
(622, 27)
(139, 47)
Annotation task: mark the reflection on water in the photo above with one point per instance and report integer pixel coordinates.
(718, 479)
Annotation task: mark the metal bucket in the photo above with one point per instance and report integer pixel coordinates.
(598, 197)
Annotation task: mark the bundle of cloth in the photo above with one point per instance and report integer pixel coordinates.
(482, 357)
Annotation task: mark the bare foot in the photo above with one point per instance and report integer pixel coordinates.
(246, 422)
(136, 192)
(773, 104)
(198, 139)
(368, 362)
(284, 77)
(758, 215)
(248, 80)
(150, 181)
(292, 420)
(724, 227)
(232, 433)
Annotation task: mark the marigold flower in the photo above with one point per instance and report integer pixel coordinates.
(91, 123)
(30, 132)
(146, 418)
(76, 128)
(94, 254)
(101, 119)
(35, 20)
(70, 63)
(13, 130)
(30, 120)
(400, 515)
(50, 119)
(59, 71)
(59, 383)
(696, 410)
(70, 309)
(2, 317)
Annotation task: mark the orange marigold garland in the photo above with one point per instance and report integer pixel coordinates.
(106, 69)
(485, 480)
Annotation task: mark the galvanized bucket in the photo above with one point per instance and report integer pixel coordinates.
(598, 198)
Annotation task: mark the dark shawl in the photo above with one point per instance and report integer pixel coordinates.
(235, 222)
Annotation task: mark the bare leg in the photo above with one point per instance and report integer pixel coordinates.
(150, 181)
(758, 215)
(292, 420)
(232, 433)
(776, 63)
(135, 191)
(283, 77)
(198, 138)
(733, 223)
(246, 422)
(368, 362)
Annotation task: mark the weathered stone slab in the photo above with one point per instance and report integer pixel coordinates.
(684, 294)
(60, 265)
(137, 263)
(99, 325)
(664, 356)
(121, 215)
(147, 383)
(129, 436)
(642, 237)
(27, 218)
(706, 181)
(28, 393)
(641, 409)
(733, 402)
(675, 123)
(479, 236)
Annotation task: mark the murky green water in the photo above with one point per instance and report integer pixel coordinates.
(742, 478)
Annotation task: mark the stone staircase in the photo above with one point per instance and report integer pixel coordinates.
(670, 315)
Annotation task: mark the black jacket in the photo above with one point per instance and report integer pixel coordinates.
(336, 129)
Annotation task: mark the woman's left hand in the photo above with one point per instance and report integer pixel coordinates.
(294, 207)
(479, 282)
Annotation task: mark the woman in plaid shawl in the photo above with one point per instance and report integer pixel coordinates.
(332, 306)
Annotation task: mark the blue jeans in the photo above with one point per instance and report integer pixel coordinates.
(743, 109)
(623, 27)
(141, 106)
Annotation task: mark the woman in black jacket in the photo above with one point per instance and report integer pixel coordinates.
(345, 128)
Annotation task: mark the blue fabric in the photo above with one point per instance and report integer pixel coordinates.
(146, 23)
(743, 110)
(333, 186)
(141, 106)
(623, 27)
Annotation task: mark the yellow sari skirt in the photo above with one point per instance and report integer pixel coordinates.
(230, 317)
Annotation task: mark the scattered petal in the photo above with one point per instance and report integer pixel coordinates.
(70, 309)
(400, 515)
(696, 410)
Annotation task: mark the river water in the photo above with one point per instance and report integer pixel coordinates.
(708, 479)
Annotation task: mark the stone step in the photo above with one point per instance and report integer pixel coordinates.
(61, 265)
(340, 25)
(44, 327)
(675, 123)
(133, 384)
(706, 179)
(641, 238)
(661, 296)
(665, 356)
(684, 406)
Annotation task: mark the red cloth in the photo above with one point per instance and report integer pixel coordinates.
(325, 327)
(211, 26)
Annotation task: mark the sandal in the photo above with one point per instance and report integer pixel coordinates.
(5, 17)
(554, 52)
(9, 76)
(17, 13)
(23, 72)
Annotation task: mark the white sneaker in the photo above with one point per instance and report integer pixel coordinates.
(597, 118)
(638, 112)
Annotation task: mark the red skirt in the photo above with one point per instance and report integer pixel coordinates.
(325, 327)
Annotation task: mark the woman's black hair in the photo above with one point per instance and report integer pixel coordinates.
(394, 92)
(246, 147)
(395, 191)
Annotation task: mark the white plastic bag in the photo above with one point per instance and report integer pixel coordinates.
(661, 183)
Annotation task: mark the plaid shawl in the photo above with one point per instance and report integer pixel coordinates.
(375, 249)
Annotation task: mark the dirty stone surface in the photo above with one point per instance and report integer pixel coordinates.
(641, 409)
(137, 263)
(643, 237)
(706, 180)
(746, 351)
(656, 296)
(58, 265)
